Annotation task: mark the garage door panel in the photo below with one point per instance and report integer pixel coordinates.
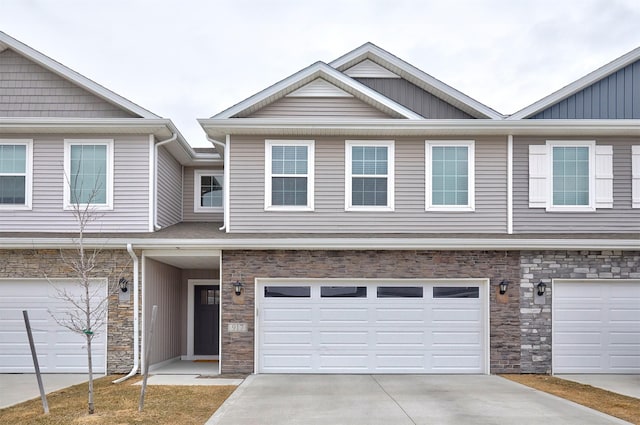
(598, 336)
(368, 334)
(399, 315)
(344, 315)
(400, 339)
(344, 338)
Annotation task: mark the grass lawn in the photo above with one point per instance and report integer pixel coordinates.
(118, 404)
(618, 405)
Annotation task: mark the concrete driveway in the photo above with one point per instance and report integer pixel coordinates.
(397, 400)
(18, 387)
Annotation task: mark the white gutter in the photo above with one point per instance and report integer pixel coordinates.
(510, 184)
(155, 178)
(136, 326)
(224, 148)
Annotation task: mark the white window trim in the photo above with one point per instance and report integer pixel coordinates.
(108, 206)
(197, 184)
(471, 183)
(591, 144)
(268, 144)
(635, 176)
(28, 181)
(348, 204)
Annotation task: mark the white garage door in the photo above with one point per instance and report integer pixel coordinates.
(59, 350)
(372, 327)
(596, 327)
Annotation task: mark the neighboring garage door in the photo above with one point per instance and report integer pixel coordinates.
(596, 326)
(59, 350)
(367, 326)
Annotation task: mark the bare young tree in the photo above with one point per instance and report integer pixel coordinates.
(88, 306)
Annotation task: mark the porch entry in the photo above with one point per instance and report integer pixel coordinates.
(206, 310)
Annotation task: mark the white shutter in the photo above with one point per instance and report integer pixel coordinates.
(538, 176)
(635, 175)
(604, 177)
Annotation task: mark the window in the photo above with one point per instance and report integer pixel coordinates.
(88, 169)
(343, 292)
(15, 174)
(570, 176)
(287, 291)
(209, 191)
(400, 291)
(450, 175)
(456, 292)
(369, 175)
(289, 175)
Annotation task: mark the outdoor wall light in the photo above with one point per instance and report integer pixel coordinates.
(238, 287)
(542, 287)
(503, 286)
(124, 284)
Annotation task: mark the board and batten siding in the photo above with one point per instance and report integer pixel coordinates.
(164, 288)
(188, 211)
(325, 107)
(620, 218)
(614, 97)
(130, 194)
(413, 97)
(29, 90)
(169, 195)
(329, 216)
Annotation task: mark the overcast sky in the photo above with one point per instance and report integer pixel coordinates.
(188, 59)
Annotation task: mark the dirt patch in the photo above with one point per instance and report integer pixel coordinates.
(620, 406)
(118, 404)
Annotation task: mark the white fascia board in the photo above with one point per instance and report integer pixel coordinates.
(395, 127)
(391, 244)
(71, 75)
(416, 76)
(319, 70)
(577, 85)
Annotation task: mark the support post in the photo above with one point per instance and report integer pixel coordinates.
(43, 396)
(145, 373)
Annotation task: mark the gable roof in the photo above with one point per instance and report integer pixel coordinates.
(306, 76)
(395, 65)
(576, 86)
(46, 62)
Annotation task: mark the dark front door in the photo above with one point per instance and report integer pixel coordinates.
(206, 308)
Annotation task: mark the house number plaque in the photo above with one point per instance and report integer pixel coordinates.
(238, 327)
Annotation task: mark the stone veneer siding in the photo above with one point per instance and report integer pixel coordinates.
(544, 266)
(238, 348)
(111, 264)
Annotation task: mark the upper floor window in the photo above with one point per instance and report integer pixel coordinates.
(209, 191)
(635, 176)
(570, 176)
(15, 174)
(369, 175)
(289, 175)
(88, 169)
(450, 175)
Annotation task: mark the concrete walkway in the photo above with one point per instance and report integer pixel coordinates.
(621, 384)
(19, 387)
(397, 400)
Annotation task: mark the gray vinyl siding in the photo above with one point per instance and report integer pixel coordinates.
(169, 194)
(188, 212)
(619, 219)
(325, 107)
(614, 97)
(164, 289)
(413, 97)
(130, 194)
(247, 197)
(29, 90)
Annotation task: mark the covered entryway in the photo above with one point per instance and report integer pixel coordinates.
(59, 349)
(371, 326)
(596, 326)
